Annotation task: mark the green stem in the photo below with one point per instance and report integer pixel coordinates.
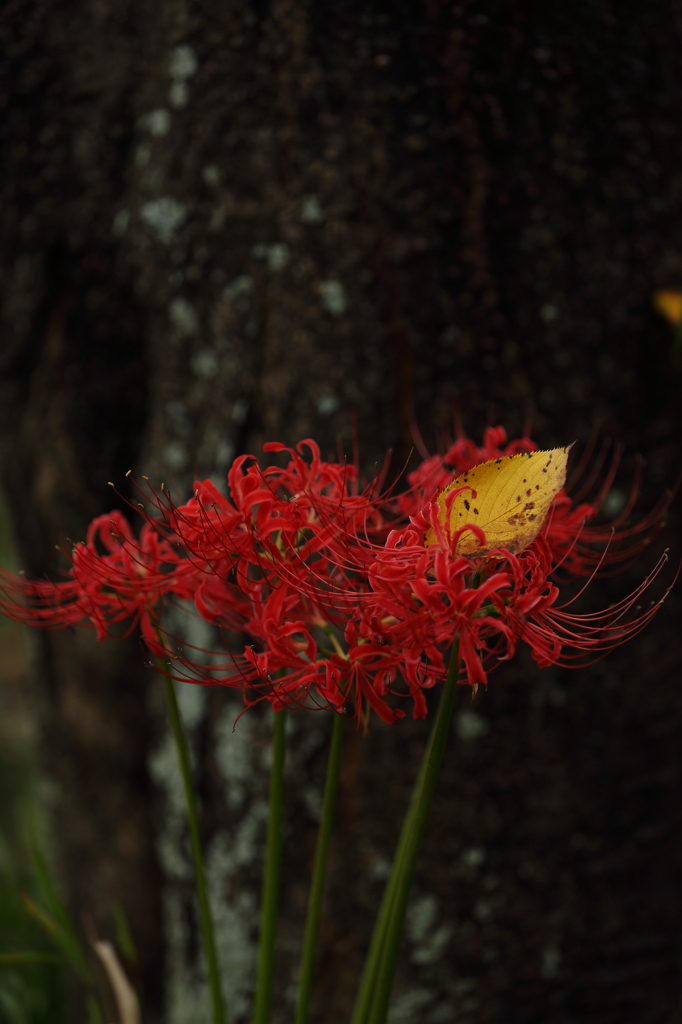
(363, 1001)
(375, 989)
(273, 862)
(319, 871)
(206, 922)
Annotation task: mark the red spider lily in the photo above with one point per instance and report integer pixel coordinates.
(422, 599)
(280, 526)
(334, 583)
(275, 517)
(269, 562)
(302, 661)
(558, 636)
(301, 664)
(579, 545)
(279, 561)
(113, 579)
(327, 576)
(425, 596)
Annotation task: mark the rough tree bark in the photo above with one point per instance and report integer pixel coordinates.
(225, 223)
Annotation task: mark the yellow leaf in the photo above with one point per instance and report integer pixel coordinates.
(508, 498)
(669, 304)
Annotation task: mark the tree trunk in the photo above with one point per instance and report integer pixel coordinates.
(231, 223)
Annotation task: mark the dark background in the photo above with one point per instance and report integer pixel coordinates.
(226, 223)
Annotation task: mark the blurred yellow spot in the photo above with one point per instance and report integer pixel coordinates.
(669, 304)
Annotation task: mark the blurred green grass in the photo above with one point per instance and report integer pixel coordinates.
(32, 987)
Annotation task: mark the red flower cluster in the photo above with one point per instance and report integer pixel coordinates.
(274, 561)
(340, 598)
(113, 579)
(576, 542)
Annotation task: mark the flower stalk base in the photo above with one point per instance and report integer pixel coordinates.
(265, 973)
(205, 918)
(319, 870)
(375, 988)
